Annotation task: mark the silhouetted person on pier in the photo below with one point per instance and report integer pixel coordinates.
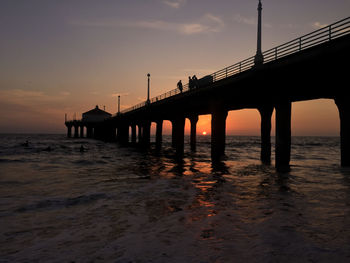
(190, 83)
(195, 81)
(179, 86)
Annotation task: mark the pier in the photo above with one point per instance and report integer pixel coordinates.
(313, 66)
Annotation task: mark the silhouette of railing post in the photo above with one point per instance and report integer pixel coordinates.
(283, 135)
(265, 114)
(218, 132)
(276, 53)
(344, 115)
(193, 136)
(159, 133)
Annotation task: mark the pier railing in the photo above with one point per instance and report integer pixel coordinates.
(322, 35)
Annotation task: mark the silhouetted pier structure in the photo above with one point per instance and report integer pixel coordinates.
(314, 66)
(91, 121)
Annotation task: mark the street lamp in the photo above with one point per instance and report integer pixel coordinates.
(118, 104)
(259, 58)
(148, 101)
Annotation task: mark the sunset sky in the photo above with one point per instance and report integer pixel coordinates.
(64, 56)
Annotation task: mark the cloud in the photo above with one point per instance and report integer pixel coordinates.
(318, 25)
(26, 97)
(198, 71)
(251, 21)
(208, 23)
(174, 3)
(65, 93)
(31, 111)
(31, 100)
(245, 20)
(37, 101)
(120, 94)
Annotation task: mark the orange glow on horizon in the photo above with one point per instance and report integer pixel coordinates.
(308, 118)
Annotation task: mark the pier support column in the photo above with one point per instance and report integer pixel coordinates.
(114, 131)
(179, 135)
(76, 131)
(133, 133)
(159, 134)
(283, 135)
(139, 135)
(343, 105)
(193, 136)
(173, 137)
(69, 131)
(265, 114)
(146, 134)
(218, 133)
(81, 131)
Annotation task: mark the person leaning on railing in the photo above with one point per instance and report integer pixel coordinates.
(179, 86)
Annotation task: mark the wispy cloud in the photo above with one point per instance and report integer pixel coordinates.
(120, 94)
(32, 101)
(245, 20)
(174, 3)
(199, 71)
(318, 25)
(251, 21)
(208, 23)
(25, 97)
(65, 93)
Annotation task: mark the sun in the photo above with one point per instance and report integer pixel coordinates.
(204, 133)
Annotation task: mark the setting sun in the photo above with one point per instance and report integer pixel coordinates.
(204, 133)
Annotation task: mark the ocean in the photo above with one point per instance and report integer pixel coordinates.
(122, 204)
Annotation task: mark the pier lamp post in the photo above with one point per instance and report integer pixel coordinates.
(259, 58)
(118, 104)
(148, 76)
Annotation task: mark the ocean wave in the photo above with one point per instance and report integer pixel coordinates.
(58, 203)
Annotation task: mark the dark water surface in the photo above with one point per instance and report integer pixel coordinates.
(112, 204)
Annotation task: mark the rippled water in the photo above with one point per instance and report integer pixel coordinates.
(112, 204)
